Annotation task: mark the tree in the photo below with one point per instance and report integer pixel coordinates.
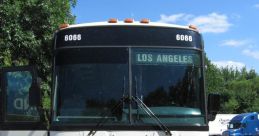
(26, 32)
(239, 89)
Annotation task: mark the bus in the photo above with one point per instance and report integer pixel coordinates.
(123, 78)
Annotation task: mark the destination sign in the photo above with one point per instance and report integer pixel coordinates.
(154, 58)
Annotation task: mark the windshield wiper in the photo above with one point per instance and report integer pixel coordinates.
(140, 103)
(104, 117)
(144, 107)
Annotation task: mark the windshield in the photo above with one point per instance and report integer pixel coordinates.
(234, 125)
(90, 82)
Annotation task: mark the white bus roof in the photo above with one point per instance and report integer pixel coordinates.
(135, 23)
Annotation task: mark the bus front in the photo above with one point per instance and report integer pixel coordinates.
(128, 79)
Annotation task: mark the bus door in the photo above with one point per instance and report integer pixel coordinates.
(20, 114)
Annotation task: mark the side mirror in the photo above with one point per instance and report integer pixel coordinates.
(35, 93)
(213, 105)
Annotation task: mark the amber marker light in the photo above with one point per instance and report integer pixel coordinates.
(193, 27)
(145, 21)
(128, 20)
(62, 26)
(113, 20)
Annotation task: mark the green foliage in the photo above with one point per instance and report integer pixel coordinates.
(230, 106)
(239, 89)
(214, 82)
(26, 33)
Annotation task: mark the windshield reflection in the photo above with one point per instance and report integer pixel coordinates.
(170, 87)
(89, 84)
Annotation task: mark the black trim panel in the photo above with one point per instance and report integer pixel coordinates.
(126, 35)
(23, 126)
(125, 128)
(1, 96)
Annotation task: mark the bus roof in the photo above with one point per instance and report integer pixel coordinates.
(135, 23)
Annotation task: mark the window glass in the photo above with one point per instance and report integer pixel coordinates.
(17, 105)
(169, 82)
(91, 84)
(234, 125)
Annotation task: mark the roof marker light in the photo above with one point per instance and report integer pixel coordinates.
(145, 21)
(65, 25)
(113, 20)
(193, 27)
(128, 20)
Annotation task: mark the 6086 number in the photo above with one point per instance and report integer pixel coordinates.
(73, 37)
(182, 37)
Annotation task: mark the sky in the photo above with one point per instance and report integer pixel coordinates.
(230, 28)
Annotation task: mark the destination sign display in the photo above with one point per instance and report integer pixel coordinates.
(155, 58)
